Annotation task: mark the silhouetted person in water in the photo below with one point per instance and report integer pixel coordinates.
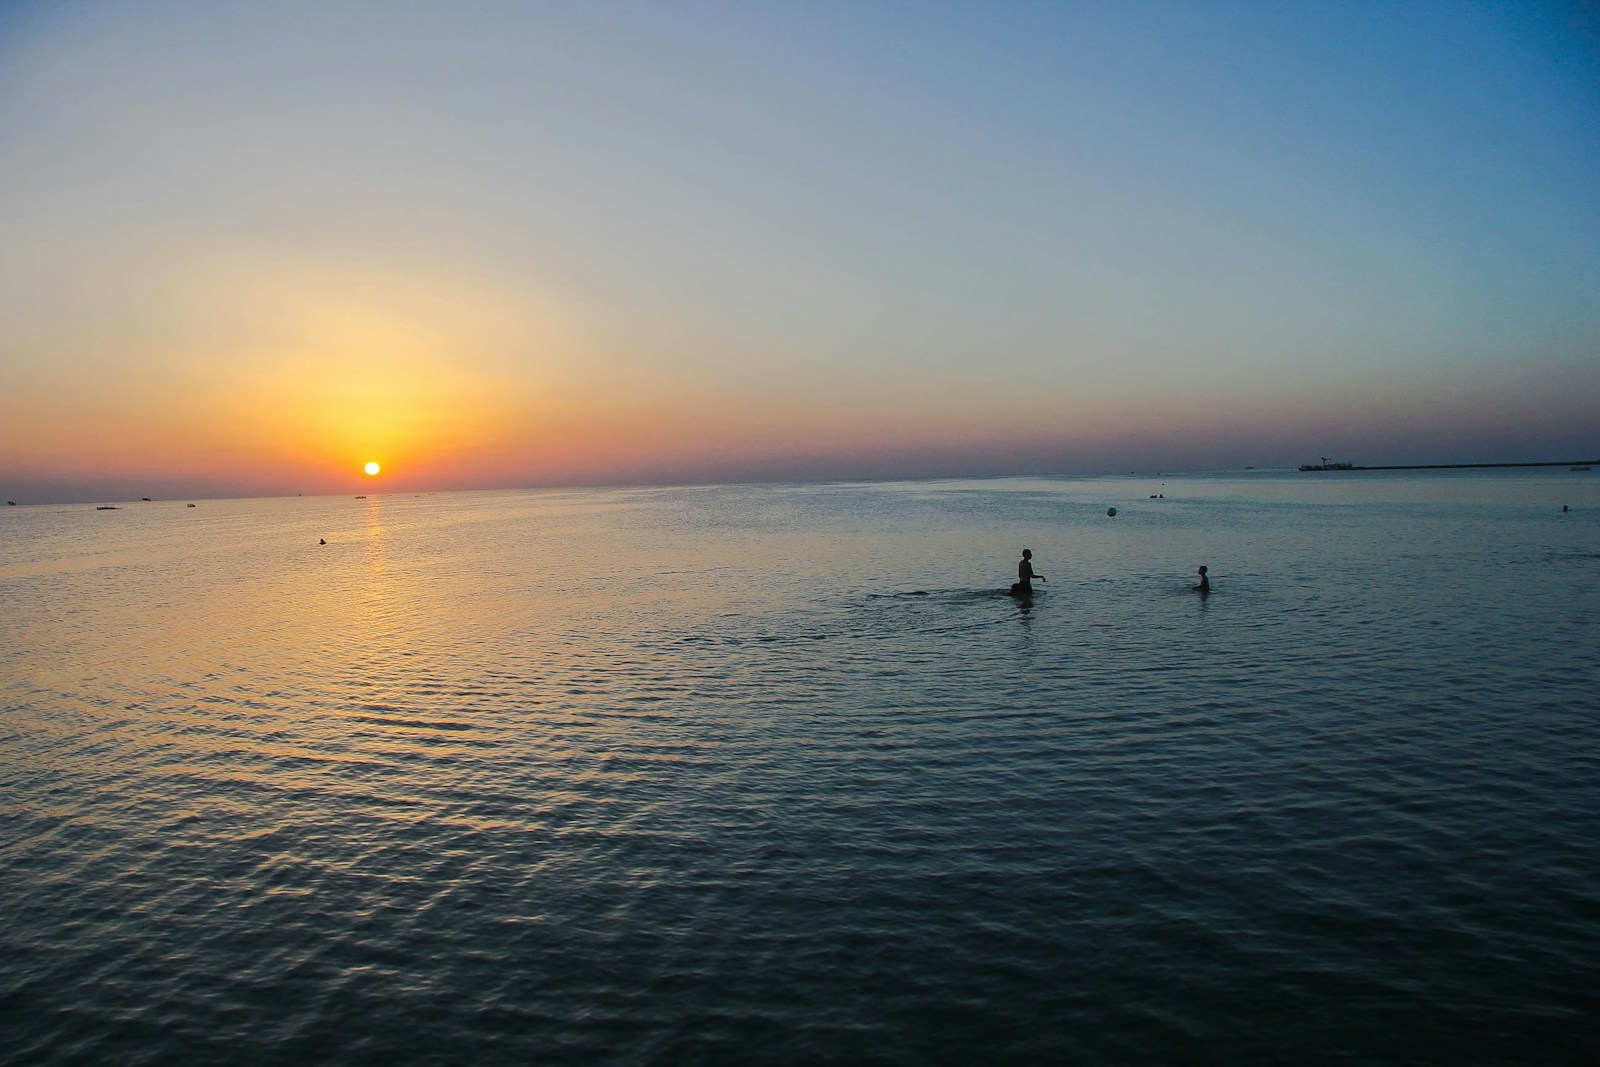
(1025, 575)
(1204, 588)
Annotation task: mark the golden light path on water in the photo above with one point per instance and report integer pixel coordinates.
(667, 775)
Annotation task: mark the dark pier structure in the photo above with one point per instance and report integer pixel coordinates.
(1571, 464)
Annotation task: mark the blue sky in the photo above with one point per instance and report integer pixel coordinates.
(507, 244)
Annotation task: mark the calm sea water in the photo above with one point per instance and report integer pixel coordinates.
(774, 774)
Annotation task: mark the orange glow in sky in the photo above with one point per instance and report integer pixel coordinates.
(697, 250)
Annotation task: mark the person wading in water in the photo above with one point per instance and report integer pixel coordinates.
(1025, 575)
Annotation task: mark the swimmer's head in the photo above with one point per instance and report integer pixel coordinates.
(1202, 568)
(1027, 553)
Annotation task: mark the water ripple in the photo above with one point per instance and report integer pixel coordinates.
(431, 798)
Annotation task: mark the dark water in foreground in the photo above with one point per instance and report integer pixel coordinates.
(692, 776)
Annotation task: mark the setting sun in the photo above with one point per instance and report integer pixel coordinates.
(372, 468)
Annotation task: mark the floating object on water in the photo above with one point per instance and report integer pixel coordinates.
(145, 499)
(107, 507)
(322, 540)
(11, 503)
(188, 505)
(1111, 512)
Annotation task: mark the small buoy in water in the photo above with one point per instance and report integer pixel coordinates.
(1112, 512)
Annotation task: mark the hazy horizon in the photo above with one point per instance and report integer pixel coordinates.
(252, 247)
(170, 491)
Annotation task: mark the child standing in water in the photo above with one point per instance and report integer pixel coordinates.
(1204, 588)
(1025, 575)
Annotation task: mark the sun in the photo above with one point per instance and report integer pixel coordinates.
(372, 468)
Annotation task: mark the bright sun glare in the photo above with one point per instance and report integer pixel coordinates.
(373, 468)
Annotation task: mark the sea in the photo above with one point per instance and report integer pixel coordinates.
(779, 774)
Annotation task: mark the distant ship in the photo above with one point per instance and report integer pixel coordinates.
(1326, 466)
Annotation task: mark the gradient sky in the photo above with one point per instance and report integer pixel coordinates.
(245, 248)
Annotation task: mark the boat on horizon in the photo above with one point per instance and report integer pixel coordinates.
(1325, 465)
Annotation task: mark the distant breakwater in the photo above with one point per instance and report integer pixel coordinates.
(1337, 468)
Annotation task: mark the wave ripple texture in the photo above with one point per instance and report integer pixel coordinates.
(778, 774)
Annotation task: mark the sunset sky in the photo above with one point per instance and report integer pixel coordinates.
(246, 248)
